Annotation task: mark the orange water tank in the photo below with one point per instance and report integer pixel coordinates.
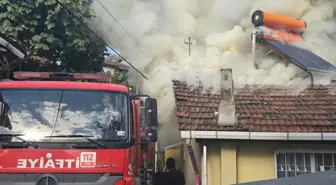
(278, 22)
(280, 36)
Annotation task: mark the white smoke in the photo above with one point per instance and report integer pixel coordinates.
(221, 36)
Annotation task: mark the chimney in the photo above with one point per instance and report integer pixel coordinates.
(226, 112)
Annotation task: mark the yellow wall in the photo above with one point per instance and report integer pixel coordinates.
(222, 163)
(213, 164)
(175, 153)
(245, 161)
(230, 163)
(255, 162)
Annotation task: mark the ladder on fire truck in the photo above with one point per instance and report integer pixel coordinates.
(156, 162)
(146, 173)
(153, 166)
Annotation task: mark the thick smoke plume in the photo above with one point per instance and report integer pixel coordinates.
(221, 36)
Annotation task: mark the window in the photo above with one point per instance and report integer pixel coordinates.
(290, 164)
(37, 113)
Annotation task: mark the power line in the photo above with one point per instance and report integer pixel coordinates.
(73, 15)
(109, 28)
(117, 22)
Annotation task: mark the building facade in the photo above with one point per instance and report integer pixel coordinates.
(250, 133)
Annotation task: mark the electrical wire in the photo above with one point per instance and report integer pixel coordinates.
(73, 15)
(101, 4)
(109, 28)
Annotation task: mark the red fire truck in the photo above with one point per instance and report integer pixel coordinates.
(72, 129)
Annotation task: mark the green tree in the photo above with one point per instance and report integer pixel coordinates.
(120, 77)
(43, 28)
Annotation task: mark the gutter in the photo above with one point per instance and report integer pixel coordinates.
(205, 168)
(284, 136)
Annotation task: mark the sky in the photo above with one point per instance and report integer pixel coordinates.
(110, 51)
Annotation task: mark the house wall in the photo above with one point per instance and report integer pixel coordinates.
(232, 162)
(255, 162)
(177, 154)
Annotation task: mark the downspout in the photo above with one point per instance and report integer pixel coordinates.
(193, 162)
(205, 169)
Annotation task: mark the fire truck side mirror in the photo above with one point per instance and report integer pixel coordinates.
(155, 112)
(154, 135)
(151, 115)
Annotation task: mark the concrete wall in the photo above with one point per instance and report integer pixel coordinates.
(232, 162)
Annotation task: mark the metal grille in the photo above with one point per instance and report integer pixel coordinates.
(47, 180)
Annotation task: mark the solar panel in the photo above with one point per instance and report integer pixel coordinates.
(303, 58)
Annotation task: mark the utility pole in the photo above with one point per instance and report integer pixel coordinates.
(189, 43)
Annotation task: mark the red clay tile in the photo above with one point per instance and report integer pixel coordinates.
(260, 108)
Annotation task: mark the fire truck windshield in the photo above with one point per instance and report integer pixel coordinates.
(37, 113)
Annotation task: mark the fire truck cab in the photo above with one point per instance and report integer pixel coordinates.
(72, 129)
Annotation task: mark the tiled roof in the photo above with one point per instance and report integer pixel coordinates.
(260, 108)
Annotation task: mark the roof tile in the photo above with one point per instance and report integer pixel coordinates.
(259, 108)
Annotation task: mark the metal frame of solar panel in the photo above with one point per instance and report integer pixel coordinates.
(303, 58)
